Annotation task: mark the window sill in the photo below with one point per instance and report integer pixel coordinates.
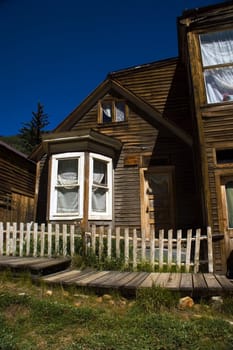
(112, 124)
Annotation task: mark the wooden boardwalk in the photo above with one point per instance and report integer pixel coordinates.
(195, 285)
(58, 271)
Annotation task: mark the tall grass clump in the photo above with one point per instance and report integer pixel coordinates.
(156, 299)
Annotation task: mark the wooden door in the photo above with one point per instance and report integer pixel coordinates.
(157, 199)
(227, 203)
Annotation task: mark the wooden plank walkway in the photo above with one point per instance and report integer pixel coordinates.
(58, 271)
(194, 285)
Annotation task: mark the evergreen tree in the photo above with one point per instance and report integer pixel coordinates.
(31, 132)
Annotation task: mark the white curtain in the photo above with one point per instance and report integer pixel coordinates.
(99, 178)
(216, 49)
(219, 84)
(229, 195)
(107, 112)
(120, 111)
(67, 186)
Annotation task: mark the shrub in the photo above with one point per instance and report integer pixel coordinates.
(156, 299)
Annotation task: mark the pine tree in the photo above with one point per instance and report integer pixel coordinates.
(31, 132)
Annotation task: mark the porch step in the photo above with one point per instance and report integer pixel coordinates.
(35, 266)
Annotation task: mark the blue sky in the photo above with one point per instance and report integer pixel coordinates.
(58, 51)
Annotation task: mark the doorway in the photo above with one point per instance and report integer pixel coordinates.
(157, 199)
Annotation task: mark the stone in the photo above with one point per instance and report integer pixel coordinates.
(186, 302)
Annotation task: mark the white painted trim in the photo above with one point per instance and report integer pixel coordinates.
(53, 215)
(93, 215)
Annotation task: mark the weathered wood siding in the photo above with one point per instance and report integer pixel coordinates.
(217, 126)
(17, 185)
(163, 85)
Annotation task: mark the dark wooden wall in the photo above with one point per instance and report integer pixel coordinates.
(17, 186)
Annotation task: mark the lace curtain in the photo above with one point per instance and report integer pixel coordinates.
(67, 186)
(229, 195)
(99, 193)
(107, 112)
(217, 49)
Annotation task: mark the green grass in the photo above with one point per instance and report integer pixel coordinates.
(31, 318)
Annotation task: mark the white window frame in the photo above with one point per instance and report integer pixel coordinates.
(53, 215)
(94, 215)
(219, 70)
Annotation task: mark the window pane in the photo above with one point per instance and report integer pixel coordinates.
(229, 194)
(106, 112)
(67, 172)
(219, 84)
(99, 199)
(120, 111)
(68, 200)
(217, 48)
(99, 172)
(224, 156)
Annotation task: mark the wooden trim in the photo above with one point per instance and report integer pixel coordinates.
(86, 192)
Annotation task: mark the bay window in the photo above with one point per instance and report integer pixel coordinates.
(67, 190)
(217, 61)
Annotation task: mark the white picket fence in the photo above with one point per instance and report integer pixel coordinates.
(167, 249)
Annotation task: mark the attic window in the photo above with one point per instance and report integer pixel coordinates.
(112, 111)
(217, 61)
(224, 156)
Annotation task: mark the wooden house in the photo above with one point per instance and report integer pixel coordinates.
(152, 146)
(17, 185)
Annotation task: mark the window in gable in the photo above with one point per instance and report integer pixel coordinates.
(224, 156)
(217, 60)
(112, 111)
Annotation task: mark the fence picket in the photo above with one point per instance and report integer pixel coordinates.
(152, 249)
(170, 248)
(118, 240)
(49, 240)
(14, 236)
(7, 239)
(101, 241)
(21, 238)
(210, 250)
(72, 245)
(197, 251)
(109, 243)
(143, 246)
(161, 248)
(178, 249)
(57, 239)
(1, 238)
(188, 250)
(93, 238)
(28, 239)
(64, 239)
(42, 240)
(35, 239)
(126, 236)
(135, 246)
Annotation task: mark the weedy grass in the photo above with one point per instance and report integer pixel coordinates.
(69, 319)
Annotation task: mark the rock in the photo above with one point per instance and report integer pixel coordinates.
(49, 293)
(186, 302)
(107, 297)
